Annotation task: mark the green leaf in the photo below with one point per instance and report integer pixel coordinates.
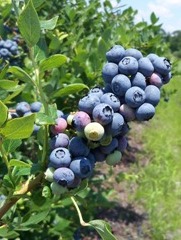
(70, 89)
(43, 119)
(8, 84)
(29, 24)
(49, 24)
(3, 71)
(18, 128)
(3, 113)
(38, 3)
(16, 92)
(18, 163)
(53, 61)
(10, 145)
(41, 50)
(5, 232)
(20, 74)
(103, 229)
(153, 18)
(36, 218)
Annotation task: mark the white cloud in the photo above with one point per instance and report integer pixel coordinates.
(160, 10)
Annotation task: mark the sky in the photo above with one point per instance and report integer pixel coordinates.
(168, 11)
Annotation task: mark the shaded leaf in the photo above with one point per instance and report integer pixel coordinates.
(18, 163)
(36, 218)
(10, 145)
(70, 89)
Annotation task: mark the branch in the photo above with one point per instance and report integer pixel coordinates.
(27, 187)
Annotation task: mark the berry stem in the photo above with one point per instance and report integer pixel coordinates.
(82, 222)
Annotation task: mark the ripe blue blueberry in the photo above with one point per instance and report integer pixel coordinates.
(122, 143)
(115, 54)
(115, 126)
(99, 156)
(111, 99)
(63, 176)
(87, 103)
(162, 65)
(138, 80)
(145, 112)
(22, 108)
(120, 84)
(35, 106)
(78, 147)
(102, 113)
(145, 66)
(110, 147)
(60, 157)
(152, 57)
(128, 66)
(152, 94)
(96, 91)
(134, 97)
(132, 52)
(59, 140)
(109, 71)
(81, 167)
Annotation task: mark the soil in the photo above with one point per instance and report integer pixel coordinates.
(127, 217)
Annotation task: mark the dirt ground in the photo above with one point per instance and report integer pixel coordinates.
(127, 218)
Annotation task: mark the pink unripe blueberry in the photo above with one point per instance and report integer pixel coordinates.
(60, 126)
(80, 120)
(156, 79)
(127, 112)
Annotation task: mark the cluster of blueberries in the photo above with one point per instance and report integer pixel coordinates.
(9, 50)
(131, 92)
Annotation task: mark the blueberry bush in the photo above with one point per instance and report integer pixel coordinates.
(73, 75)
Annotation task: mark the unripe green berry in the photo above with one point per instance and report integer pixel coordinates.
(94, 131)
(106, 140)
(114, 158)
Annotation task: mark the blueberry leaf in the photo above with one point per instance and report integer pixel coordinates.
(53, 61)
(18, 128)
(29, 24)
(103, 229)
(70, 89)
(4, 113)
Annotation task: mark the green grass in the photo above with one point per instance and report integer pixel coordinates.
(159, 184)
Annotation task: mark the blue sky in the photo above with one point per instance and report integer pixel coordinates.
(168, 11)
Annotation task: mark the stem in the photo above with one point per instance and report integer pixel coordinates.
(82, 222)
(28, 186)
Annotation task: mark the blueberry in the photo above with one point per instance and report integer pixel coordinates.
(152, 57)
(156, 79)
(122, 143)
(59, 127)
(128, 66)
(162, 65)
(87, 103)
(127, 112)
(132, 52)
(115, 126)
(76, 183)
(120, 84)
(78, 147)
(8, 43)
(134, 97)
(109, 71)
(96, 91)
(81, 167)
(60, 157)
(94, 131)
(4, 53)
(115, 54)
(114, 158)
(99, 156)
(138, 80)
(59, 140)
(145, 66)
(80, 120)
(102, 113)
(35, 106)
(152, 94)
(145, 112)
(110, 147)
(22, 108)
(107, 88)
(166, 78)
(59, 113)
(63, 176)
(111, 99)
